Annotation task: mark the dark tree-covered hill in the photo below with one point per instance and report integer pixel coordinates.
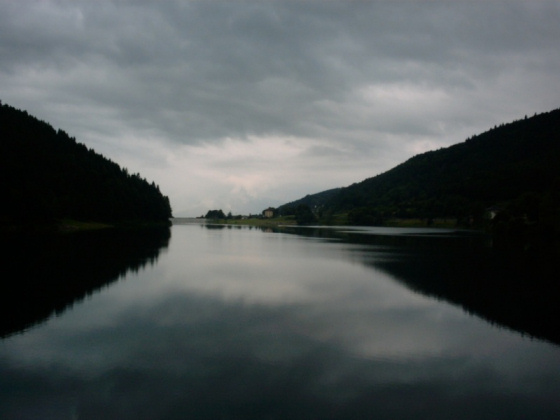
(45, 175)
(515, 166)
(314, 201)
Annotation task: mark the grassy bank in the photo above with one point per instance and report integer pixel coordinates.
(339, 220)
(254, 221)
(75, 225)
(435, 223)
(69, 225)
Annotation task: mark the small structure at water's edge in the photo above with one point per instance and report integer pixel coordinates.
(269, 212)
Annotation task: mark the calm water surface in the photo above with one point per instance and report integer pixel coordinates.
(239, 323)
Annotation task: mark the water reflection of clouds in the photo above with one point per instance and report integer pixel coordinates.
(243, 353)
(350, 323)
(323, 294)
(271, 268)
(299, 330)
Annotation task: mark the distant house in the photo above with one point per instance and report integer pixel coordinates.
(492, 212)
(269, 212)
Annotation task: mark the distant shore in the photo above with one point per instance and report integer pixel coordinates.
(290, 221)
(250, 221)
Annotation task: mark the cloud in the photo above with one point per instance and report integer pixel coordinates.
(375, 78)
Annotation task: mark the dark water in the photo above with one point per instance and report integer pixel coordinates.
(235, 323)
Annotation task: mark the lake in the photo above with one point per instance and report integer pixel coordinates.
(221, 322)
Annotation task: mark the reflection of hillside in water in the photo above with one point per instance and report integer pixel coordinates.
(515, 288)
(44, 274)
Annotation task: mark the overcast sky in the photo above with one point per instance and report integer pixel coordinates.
(241, 105)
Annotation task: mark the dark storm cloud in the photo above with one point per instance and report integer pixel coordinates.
(205, 70)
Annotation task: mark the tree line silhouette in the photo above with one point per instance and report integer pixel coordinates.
(46, 175)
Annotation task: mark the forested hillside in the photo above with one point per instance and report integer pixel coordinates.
(514, 167)
(45, 175)
(313, 201)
